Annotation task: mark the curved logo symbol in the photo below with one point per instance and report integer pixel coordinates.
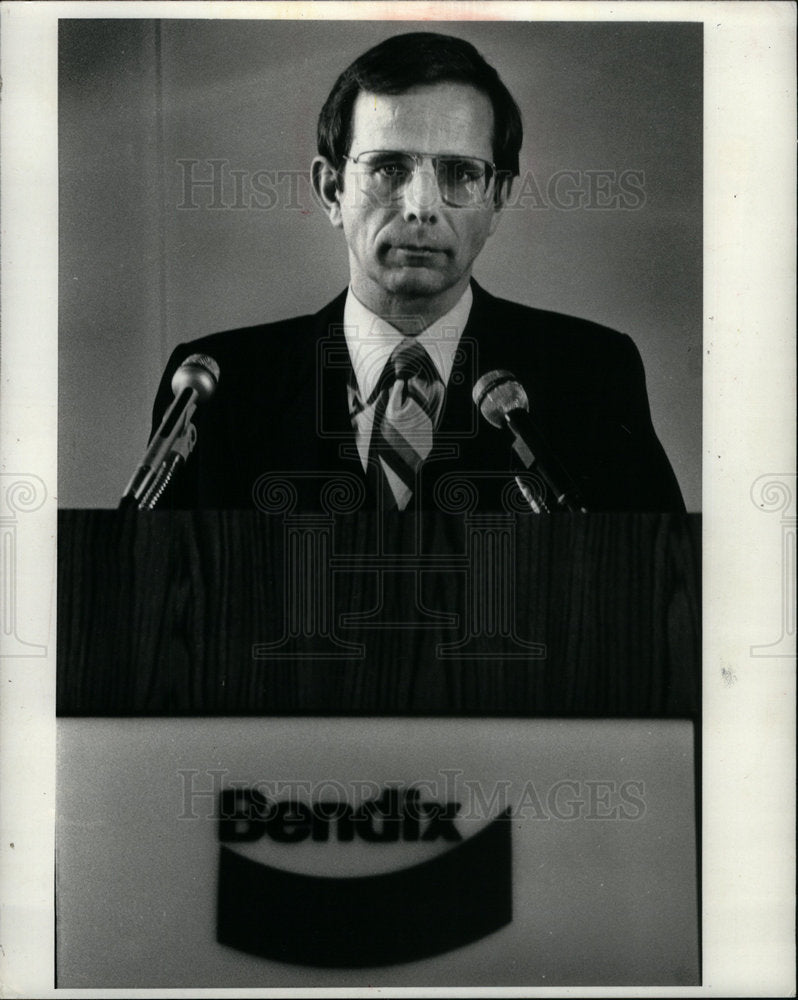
(411, 913)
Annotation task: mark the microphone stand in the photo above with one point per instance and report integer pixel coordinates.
(503, 402)
(162, 476)
(173, 441)
(553, 475)
(192, 383)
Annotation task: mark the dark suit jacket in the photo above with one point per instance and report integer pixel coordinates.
(281, 407)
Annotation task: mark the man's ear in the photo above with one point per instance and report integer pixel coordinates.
(500, 201)
(326, 179)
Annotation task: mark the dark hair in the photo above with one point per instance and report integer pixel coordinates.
(405, 61)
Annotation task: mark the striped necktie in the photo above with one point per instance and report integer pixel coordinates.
(401, 415)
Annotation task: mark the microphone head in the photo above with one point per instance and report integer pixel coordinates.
(198, 372)
(498, 393)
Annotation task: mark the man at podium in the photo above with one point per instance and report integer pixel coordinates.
(418, 148)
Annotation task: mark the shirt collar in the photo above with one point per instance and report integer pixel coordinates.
(371, 339)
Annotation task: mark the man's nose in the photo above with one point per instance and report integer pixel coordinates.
(422, 196)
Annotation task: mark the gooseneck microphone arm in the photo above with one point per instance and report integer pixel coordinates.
(194, 382)
(504, 404)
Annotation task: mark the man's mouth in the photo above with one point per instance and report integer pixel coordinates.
(417, 249)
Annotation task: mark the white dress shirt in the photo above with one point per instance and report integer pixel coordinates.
(371, 341)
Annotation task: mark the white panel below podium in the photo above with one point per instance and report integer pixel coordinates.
(590, 879)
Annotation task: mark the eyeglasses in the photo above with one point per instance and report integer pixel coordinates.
(462, 180)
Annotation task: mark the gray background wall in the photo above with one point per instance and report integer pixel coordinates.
(139, 272)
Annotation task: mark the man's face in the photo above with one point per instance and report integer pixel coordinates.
(416, 251)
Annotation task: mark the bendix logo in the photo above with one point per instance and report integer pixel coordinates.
(398, 814)
(459, 892)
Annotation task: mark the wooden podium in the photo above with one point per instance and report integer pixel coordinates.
(244, 613)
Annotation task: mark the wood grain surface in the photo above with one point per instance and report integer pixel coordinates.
(239, 613)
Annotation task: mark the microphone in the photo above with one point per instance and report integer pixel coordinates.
(193, 382)
(503, 402)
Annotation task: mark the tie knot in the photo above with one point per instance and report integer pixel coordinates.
(410, 360)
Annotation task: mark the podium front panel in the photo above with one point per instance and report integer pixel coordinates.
(299, 852)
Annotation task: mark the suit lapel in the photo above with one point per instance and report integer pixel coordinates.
(336, 437)
(476, 354)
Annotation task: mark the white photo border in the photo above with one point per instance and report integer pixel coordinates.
(749, 391)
